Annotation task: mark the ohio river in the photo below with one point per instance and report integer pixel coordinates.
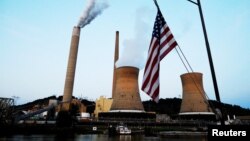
(95, 137)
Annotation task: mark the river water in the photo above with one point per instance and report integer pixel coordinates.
(95, 137)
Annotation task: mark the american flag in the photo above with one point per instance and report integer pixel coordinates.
(161, 44)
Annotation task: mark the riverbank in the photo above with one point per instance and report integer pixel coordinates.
(146, 128)
(95, 137)
(49, 129)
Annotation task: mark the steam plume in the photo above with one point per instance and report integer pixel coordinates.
(135, 49)
(92, 10)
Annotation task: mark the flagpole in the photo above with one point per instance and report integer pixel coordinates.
(156, 4)
(209, 57)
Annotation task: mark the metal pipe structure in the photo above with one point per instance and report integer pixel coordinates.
(22, 117)
(216, 89)
(70, 75)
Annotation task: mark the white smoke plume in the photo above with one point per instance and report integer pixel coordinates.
(92, 10)
(135, 49)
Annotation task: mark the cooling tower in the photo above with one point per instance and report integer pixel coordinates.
(116, 57)
(70, 75)
(194, 101)
(126, 96)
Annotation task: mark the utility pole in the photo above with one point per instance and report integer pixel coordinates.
(209, 57)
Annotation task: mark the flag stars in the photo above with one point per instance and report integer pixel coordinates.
(159, 22)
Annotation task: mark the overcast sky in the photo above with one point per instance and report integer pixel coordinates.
(35, 38)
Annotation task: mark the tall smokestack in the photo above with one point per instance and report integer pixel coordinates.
(92, 10)
(116, 57)
(70, 75)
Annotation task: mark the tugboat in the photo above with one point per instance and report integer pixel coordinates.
(119, 129)
(123, 130)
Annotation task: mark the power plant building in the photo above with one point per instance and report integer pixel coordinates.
(102, 105)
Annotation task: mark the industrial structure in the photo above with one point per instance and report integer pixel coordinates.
(127, 95)
(102, 105)
(194, 102)
(67, 101)
(70, 75)
(116, 57)
(125, 89)
(125, 92)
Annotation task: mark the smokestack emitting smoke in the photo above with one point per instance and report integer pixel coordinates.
(135, 49)
(92, 10)
(70, 75)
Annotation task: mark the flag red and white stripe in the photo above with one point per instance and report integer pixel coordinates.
(162, 42)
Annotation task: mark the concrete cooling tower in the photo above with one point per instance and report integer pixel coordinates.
(126, 95)
(126, 103)
(194, 101)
